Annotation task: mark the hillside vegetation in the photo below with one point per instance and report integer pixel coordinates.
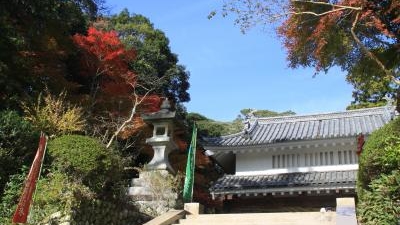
(210, 127)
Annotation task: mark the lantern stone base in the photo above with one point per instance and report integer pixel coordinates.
(153, 191)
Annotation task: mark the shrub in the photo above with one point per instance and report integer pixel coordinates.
(18, 144)
(12, 191)
(381, 154)
(378, 184)
(56, 192)
(381, 204)
(87, 160)
(54, 115)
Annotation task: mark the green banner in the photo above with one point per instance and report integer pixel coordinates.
(190, 164)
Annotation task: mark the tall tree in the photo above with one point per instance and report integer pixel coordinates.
(360, 36)
(35, 45)
(154, 57)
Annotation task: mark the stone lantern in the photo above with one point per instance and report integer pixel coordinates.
(162, 140)
(142, 189)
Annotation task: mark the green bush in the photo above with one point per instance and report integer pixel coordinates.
(381, 154)
(378, 184)
(56, 192)
(18, 144)
(12, 192)
(86, 160)
(381, 204)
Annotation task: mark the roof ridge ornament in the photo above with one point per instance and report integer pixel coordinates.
(249, 120)
(389, 109)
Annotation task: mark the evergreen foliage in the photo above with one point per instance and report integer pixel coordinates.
(380, 204)
(86, 160)
(209, 127)
(266, 113)
(381, 154)
(378, 184)
(9, 199)
(36, 48)
(364, 105)
(154, 58)
(18, 144)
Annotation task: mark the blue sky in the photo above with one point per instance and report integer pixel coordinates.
(229, 70)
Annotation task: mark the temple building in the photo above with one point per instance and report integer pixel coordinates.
(299, 162)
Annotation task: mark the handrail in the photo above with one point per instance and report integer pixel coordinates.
(167, 218)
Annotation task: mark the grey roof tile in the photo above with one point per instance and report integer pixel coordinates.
(312, 180)
(290, 128)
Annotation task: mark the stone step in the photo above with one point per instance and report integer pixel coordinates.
(139, 191)
(292, 215)
(263, 223)
(138, 182)
(301, 218)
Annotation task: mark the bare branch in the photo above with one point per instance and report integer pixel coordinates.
(316, 14)
(137, 101)
(329, 4)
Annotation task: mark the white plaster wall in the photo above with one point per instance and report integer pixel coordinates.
(262, 162)
(253, 161)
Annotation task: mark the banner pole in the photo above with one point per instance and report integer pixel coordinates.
(32, 212)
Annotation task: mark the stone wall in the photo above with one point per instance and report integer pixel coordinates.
(97, 213)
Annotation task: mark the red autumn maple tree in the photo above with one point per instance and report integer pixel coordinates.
(105, 60)
(332, 30)
(361, 37)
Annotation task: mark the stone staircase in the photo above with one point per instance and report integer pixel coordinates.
(191, 214)
(299, 218)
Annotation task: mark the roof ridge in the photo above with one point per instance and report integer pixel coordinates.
(384, 113)
(256, 175)
(328, 115)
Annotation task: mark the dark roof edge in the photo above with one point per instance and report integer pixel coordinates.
(337, 139)
(310, 117)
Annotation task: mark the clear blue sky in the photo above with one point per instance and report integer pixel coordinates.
(229, 70)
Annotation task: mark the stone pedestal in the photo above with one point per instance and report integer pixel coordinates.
(152, 192)
(162, 146)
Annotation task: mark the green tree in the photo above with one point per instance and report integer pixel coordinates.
(36, 48)
(361, 37)
(154, 58)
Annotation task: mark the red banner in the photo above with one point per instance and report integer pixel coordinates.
(360, 143)
(22, 211)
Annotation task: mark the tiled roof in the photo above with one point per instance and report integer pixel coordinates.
(308, 127)
(278, 182)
